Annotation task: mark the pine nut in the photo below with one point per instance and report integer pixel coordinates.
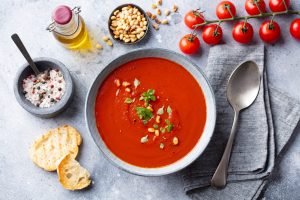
(157, 119)
(117, 82)
(151, 130)
(165, 21)
(158, 11)
(155, 26)
(105, 38)
(174, 8)
(156, 132)
(98, 46)
(167, 12)
(175, 141)
(109, 43)
(125, 84)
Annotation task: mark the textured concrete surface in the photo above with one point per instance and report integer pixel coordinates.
(21, 179)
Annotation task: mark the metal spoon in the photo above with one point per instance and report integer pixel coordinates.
(242, 90)
(25, 53)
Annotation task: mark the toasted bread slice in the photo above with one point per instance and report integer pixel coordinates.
(48, 149)
(71, 175)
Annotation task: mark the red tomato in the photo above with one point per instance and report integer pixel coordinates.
(295, 29)
(269, 31)
(192, 18)
(189, 44)
(223, 10)
(212, 34)
(278, 5)
(243, 32)
(252, 6)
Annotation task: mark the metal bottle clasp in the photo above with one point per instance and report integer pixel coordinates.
(51, 27)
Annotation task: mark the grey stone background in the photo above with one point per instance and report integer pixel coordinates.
(21, 179)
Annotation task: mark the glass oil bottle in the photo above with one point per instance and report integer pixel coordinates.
(69, 28)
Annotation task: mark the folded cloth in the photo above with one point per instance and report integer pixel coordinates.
(263, 130)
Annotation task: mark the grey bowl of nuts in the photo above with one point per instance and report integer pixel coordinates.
(47, 94)
(128, 24)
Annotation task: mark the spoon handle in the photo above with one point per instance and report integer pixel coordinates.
(25, 53)
(220, 176)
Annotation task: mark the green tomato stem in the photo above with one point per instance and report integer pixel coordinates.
(262, 15)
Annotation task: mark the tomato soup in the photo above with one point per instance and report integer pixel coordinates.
(150, 112)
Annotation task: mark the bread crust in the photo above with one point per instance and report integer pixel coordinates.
(49, 148)
(71, 174)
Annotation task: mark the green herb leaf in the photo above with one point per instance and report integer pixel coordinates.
(144, 114)
(169, 110)
(162, 130)
(169, 126)
(148, 96)
(155, 126)
(136, 83)
(160, 111)
(128, 100)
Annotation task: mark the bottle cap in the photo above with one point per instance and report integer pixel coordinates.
(62, 14)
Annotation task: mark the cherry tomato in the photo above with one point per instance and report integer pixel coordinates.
(192, 18)
(223, 10)
(212, 34)
(243, 32)
(269, 31)
(295, 28)
(278, 5)
(252, 6)
(189, 44)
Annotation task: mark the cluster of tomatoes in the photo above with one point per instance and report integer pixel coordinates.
(242, 32)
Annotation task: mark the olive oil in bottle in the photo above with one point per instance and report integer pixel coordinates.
(69, 28)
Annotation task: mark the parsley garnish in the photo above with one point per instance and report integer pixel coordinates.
(148, 96)
(169, 126)
(144, 114)
(128, 100)
(162, 130)
(160, 111)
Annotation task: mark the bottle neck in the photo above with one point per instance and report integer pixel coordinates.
(70, 28)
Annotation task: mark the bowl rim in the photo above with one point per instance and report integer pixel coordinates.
(189, 158)
(56, 108)
(120, 7)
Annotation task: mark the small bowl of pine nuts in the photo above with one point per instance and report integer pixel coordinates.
(128, 24)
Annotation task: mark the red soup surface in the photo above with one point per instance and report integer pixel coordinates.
(150, 112)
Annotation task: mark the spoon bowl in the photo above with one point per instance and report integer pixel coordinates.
(243, 85)
(242, 90)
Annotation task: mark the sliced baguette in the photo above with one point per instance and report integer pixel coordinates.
(71, 175)
(48, 149)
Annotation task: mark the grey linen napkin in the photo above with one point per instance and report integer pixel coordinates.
(263, 130)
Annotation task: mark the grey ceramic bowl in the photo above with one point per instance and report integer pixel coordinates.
(43, 64)
(119, 8)
(210, 104)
